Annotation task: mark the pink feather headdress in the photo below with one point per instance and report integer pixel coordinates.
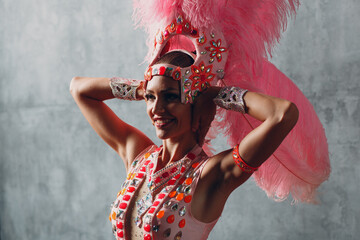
(251, 28)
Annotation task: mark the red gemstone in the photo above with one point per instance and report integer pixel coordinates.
(177, 176)
(173, 170)
(157, 180)
(143, 169)
(182, 223)
(130, 189)
(147, 237)
(171, 182)
(147, 227)
(156, 203)
(165, 174)
(179, 29)
(126, 197)
(119, 224)
(139, 175)
(170, 219)
(161, 195)
(123, 205)
(120, 233)
(152, 210)
(183, 169)
(147, 162)
(195, 165)
(162, 70)
(181, 180)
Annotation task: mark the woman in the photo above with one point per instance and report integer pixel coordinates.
(176, 191)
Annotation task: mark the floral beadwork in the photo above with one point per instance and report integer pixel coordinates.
(201, 76)
(215, 50)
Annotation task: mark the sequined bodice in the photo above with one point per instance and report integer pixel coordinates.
(163, 211)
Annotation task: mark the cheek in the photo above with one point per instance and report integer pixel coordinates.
(148, 109)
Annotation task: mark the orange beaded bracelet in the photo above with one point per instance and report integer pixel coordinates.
(241, 163)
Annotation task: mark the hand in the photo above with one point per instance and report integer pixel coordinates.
(204, 110)
(140, 91)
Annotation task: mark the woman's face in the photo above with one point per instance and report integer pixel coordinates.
(171, 118)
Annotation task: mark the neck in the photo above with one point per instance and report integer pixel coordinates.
(175, 150)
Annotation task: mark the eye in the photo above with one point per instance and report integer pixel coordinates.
(171, 97)
(149, 97)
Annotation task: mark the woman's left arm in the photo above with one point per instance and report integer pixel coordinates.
(278, 117)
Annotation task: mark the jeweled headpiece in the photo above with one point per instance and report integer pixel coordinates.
(209, 58)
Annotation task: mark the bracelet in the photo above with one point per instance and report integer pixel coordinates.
(241, 163)
(231, 98)
(124, 88)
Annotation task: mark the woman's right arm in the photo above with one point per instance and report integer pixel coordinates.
(89, 94)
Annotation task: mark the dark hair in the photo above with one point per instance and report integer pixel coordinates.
(177, 58)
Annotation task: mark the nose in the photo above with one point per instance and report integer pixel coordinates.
(158, 106)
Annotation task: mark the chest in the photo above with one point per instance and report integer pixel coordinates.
(156, 205)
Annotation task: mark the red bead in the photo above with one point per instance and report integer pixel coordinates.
(161, 195)
(156, 203)
(179, 29)
(182, 223)
(143, 169)
(195, 165)
(188, 181)
(181, 180)
(130, 189)
(152, 210)
(157, 180)
(172, 194)
(123, 205)
(171, 182)
(147, 227)
(139, 175)
(162, 70)
(126, 197)
(187, 199)
(170, 219)
(120, 233)
(147, 237)
(119, 224)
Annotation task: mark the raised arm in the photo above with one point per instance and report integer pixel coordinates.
(89, 94)
(221, 175)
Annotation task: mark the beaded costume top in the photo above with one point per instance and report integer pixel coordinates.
(165, 211)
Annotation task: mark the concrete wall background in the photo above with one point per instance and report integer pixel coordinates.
(57, 178)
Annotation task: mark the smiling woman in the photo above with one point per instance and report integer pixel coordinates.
(176, 182)
(178, 190)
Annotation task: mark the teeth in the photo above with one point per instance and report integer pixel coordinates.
(163, 121)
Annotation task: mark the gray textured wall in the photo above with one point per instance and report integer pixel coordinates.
(57, 178)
